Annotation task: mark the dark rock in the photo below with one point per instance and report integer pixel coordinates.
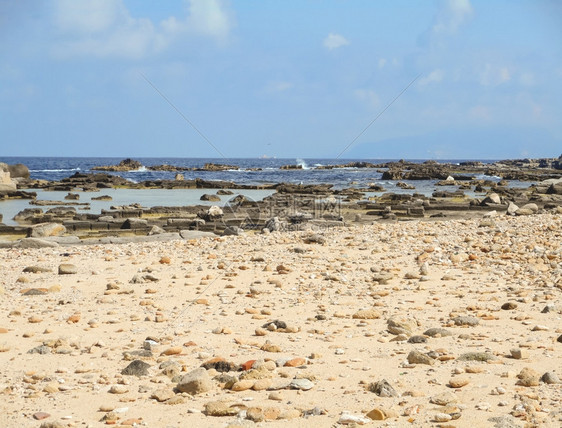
(436, 331)
(136, 368)
(477, 356)
(277, 323)
(212, 198)
(383, 389)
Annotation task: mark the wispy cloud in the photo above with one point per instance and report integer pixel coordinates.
(107, 29)
(435, 76)
(492, 75)
(279, 86)
(334, 41)
(368, 96)
(453, 14)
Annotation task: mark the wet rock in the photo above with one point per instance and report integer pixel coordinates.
(195, 382)
(209, 197)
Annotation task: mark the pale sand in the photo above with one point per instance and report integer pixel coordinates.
(516, 260)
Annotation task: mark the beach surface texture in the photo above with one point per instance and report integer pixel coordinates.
(453, 323)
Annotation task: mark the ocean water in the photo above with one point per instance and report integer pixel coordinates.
(57, 168)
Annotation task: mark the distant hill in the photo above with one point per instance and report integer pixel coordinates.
(480, 143)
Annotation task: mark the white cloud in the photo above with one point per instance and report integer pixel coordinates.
(433, 77)
(480, 112)
(493, 75)
(382, 63)
(369, 96)
(452, 16)
(334, 41)
(527, 79)
(107, 29)
(280, 86)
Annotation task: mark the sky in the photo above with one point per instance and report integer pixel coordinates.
(378, 79)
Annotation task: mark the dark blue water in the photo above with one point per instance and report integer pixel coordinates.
(51, 168)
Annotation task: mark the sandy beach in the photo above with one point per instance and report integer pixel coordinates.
(451, 324)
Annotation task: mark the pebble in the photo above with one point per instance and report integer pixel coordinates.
(302, 384)
(458, 382)
(347, 418)
(416, 357)
(550, 378)
(67, 269)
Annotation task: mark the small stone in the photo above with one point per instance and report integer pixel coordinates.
(219, 408)
(276, 396)
(262, 384)
(466, 320)
(417, 339)
(175, 350)
(401, 326)
(416, 357)
(367, 314)
(295, 362)
(260, 331)
(442, 417)
(550, 378)
(443, 399)
(458, 382)
(163, 394)
(165, 260)
(376, 415)
(437, 332)
(302, 384)
(519, 353)
(243, 385)
(118, 389)
(383, 389)
(136, 368)
(39, 416)
(195, 382)
(477, 356)
(67, 269)
(528, 377)
(347, 418)
(508, 306)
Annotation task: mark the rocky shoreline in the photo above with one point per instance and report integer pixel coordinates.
(290, 207)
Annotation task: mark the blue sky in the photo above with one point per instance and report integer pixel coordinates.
(292, 78)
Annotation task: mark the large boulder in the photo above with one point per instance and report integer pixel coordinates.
(46, 229)
(18, 170)
(6, 182)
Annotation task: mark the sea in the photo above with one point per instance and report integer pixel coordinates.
(252, 171)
